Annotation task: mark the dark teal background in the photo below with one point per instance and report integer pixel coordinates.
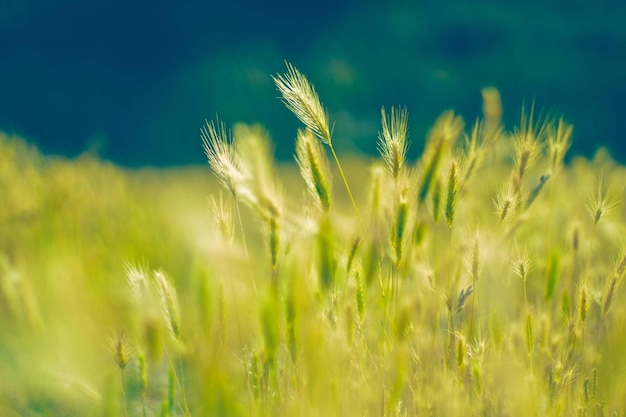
(134, 81)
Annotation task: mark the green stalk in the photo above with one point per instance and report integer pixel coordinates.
(123, 391)
(345, 182)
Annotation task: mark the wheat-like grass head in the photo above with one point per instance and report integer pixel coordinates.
(522, 265)
(169, 303)
(300, 97)
(119, 346)
(448, 127)
(137, 281)
(441, 138)
(223, 217)
(559, 141)
(472, 149)
(256, 154)
(527, 143)
(505, 203)
(473, 257)
(314, 167)
(452, 191)
(223, 158)
(620, 264)
(602, 202)
(392, 140)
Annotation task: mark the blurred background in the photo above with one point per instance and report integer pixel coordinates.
(135, 80)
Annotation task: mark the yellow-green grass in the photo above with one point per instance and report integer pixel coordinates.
(481, 314)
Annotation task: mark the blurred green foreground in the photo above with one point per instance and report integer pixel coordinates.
(128, 292)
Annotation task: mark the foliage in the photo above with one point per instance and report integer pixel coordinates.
(120, 296)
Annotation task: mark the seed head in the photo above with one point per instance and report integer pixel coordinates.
(444, 133)
(504, 203)
(169, 303)
(360, 294)
(392, 140)
(472, 261)
(522, 265)
(601, 203)
(463, 296)
(436, 200)
(121, 350)
(300, 97)
(620, 264)
(314, 168)
(265, 198)
(558, 143)
(473, 150)
(530, 338)
(223, 157)
(137, 281)
(223, 218)
(400, 220)
(452, 190)
(527, 144)
(254, 147)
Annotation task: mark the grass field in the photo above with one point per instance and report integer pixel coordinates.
(483, 279)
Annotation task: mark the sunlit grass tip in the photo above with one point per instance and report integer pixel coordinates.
(559, 141)
(169, 303)
(137, 279)
(472, 261)
(392, 140)
(222, 156)
(504, 203)
(527, 143)
(522, 264)
(301, 98)
(603, 201)
(473, 150)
